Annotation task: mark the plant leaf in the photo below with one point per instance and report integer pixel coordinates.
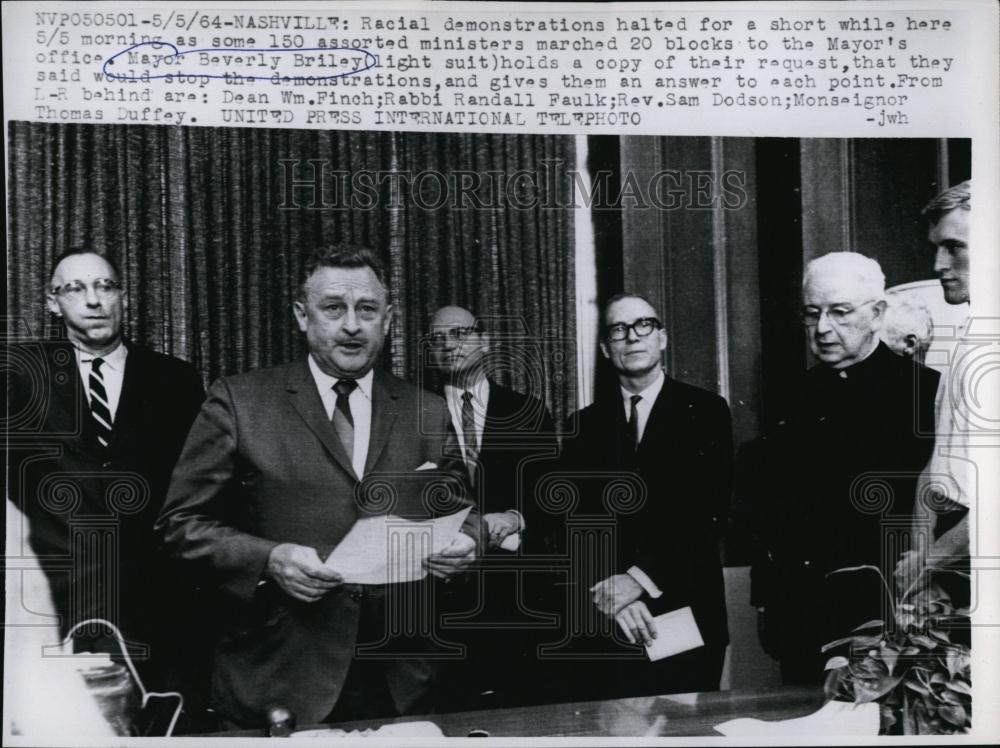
(872, 689)
(876, 623)
(889, 657)
(836, 643)
(918, 687)
(959, 686)
(836, 662)
(924, 641)
(953, 713)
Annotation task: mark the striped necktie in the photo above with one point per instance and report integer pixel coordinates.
(469, 433)
(343, 420)
(100, 411)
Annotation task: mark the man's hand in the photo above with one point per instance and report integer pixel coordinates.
(637, 623)
(298, 570)
(453, 559)
(500, 525)
(614, 593)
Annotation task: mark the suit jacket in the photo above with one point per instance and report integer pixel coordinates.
(517, 437)
(685, 463)
(262, 466)
(91, 509)
(838, 471)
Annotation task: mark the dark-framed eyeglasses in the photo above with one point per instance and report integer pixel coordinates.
(104, 288)
(642, 327)
(455, 334)
(838, 314)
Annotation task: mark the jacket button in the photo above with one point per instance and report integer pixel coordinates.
(356, 594)
(106, 465)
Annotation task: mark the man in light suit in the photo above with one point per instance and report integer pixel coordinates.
(95, 425)
(269, 483)
(676, 441)
(504, 436)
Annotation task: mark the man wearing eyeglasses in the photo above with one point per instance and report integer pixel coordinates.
(842, 468)
(677, 440)
(504, 435)
(97, 423)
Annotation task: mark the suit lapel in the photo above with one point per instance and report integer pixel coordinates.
(384, 414)
(665, 419)
(73, 416)
(128, 400)
(305, 399)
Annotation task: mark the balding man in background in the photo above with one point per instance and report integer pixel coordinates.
(842, 469)
(907, 329)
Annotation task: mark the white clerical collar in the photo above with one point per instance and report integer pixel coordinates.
(649, 394)
(325, 383)
(114, 360)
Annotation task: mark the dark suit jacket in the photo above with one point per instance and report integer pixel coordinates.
(838, 471)
(70, 487)
(517, 437)
(264, 466)
(685, 462)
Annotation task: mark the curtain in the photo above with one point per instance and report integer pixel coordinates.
(211, 225)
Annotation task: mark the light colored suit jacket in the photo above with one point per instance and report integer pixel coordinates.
(264, 466)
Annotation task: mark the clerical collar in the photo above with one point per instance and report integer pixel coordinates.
(857, 367)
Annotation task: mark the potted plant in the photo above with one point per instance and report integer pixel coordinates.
(909, 665)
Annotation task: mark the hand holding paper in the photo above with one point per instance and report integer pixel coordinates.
(453, 559)
(300, 572)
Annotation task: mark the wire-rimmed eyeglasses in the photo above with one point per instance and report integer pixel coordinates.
(104, 288)
(838, 314)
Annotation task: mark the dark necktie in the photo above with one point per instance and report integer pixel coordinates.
(469, 432)
(633, 422)
(99, 408)
(343, 421)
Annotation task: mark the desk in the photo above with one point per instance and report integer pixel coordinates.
(648, 716)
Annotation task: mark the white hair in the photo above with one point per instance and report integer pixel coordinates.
(867, 271)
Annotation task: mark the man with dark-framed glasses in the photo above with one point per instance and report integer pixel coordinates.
(96, 425)
(672, 444)
(840, 470)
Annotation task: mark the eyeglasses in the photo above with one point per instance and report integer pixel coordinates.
(642, 327)
(838, 314)
(453, 333)
(104, 288)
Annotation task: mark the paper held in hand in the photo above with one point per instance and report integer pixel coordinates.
(676, 632)
(388, 549)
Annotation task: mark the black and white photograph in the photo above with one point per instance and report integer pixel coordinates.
(333, 432)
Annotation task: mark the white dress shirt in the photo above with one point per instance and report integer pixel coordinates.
(642, 410)
(644, 406)
(480, 400)
(112, 372)
(360, 401)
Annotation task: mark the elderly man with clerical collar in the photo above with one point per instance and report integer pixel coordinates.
(841, 470)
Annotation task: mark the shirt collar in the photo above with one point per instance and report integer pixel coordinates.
(848, 371)
(480, 391)
(324, 382)
(114, 360)
(649, 394)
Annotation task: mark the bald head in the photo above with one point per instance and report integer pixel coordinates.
(457, 343)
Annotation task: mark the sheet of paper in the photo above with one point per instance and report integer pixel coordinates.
(835, 718)
(676, 632)
(388, 549)
(512, 542)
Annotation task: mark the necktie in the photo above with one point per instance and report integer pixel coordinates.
(469, 432)
(343, 421)
(100, 411)
(633, 422)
